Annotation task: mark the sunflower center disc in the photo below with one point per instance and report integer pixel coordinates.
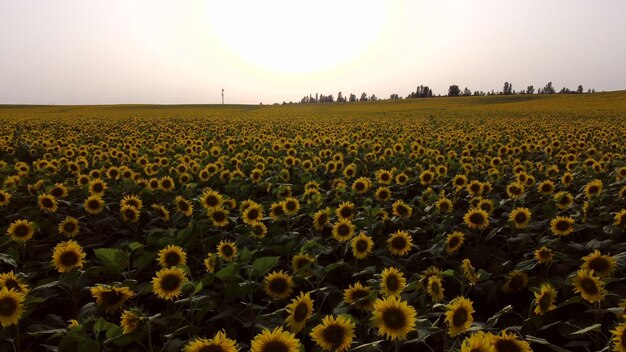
(300, 313)
(507, 346)
(334, 334)
(278, 285)
(69, 258)
(275, 346)
(170, 283)
(589, 286)
(8, 306)
(460, 317)
(172, 259)
(394, 318)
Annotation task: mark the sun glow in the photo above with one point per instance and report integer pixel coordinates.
(293, 36)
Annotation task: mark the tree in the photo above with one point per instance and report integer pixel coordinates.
(548, 89)
(373, 97)
(530, 90)
(454, 91)
(467, 92)
(363, 97)
(508, 88)
(580, 89)
(352, 98)
(394, 97)
(340, 98)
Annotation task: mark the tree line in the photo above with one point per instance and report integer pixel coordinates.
(454, 90)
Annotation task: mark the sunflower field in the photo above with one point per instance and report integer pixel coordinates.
(378, 227)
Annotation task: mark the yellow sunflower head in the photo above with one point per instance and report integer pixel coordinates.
(67, 256)
(275, 340)
(476, 219)
(334, 334)
(343, 230)
(506, 342)
(360, 296)
(562, 225)
(300, 310)
(11, 306)
(227, 250)
(545, 299)
(590, 287)
(478, 342)
(13, 282)
(459, 316)
(172, 256)
(278, 284)
(362, 245)
(520, 217)
(392, 282)
(602, 265)
(168, 283)
(454, 241)
(130, 320)
(111, 298)
(393, 318)
(219, 343)
(399, 243)
(21, 230)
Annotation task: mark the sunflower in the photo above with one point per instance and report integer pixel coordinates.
(360, 296)
(426, 177)
(166, 183)
(275, 340)
(299, 262)
(515, 281)
(444, 205)
(97, 187)
(48, 203)
(210, 262)
(183, 206)
(384, 176)
(321, 219)
(277, 210)
(21, 230)
(94, 204)
(258, 230)
(546, 187)
(168, 283)
(172, 256)
(520, 217)
(161, 211)
(343, 230)
(622, 193)
(300, 310)
(454, 241)
(393, 318)
(130, 320)
(131, 200)
(544, 299)
(593, 188)
(5, 198)
(602, 265)
(227, 250)
(392, 282)
(278, 284)
(362, 246)
(69, 227)
(334, 334)
(382, 194)
(211, 199)
(219, 217)
(345, 211)
(543, 255)
(401, 209)
(619, 338)
(361, 185)
(506, 342)
(129, 213)
(474, 188)
(515, 190)
(252, 214)
(291, 206)
(563, 200)
(434, 288)
(67, 256)
(477, 342)
(459, 316)
(459, 182)
(11, 306)
(111, 298)
(476, 219)
(399, 243)
(219, 343)
(590, 287)
(620, 218)
(562, 225)
(469, 272)
(13, 282)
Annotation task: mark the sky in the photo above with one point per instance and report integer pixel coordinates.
(186, 52)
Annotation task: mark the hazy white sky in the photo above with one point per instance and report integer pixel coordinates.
(122, 51)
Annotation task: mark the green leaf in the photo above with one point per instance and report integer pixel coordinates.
(111, 257)
(135, 246)
(226, 272)
(533, 339)
(263, 265)
(594, 327)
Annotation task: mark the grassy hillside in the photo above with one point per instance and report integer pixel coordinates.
(612, 104)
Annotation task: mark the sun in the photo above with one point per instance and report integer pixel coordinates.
(297, 36)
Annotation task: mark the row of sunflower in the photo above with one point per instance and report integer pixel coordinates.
(284, 235)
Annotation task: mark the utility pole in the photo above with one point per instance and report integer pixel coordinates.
(222, 96)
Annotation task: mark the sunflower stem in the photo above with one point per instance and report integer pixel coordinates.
(397, 346)
(17, 337)
(149, 337)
